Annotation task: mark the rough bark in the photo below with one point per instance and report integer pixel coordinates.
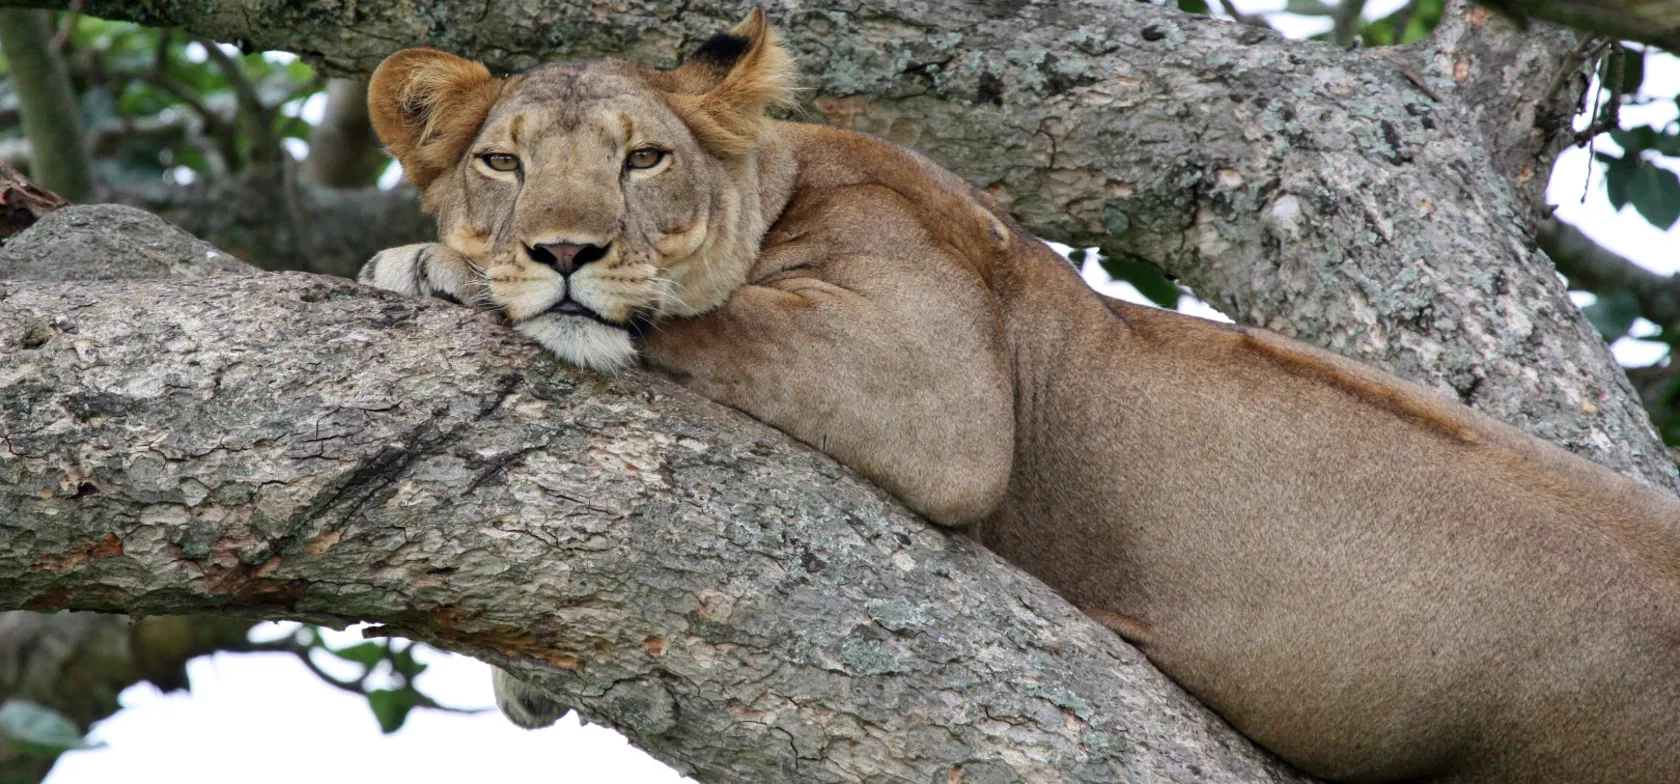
(78, 663)
(1376, 202)
(290, 446)
(51, 118)
(723, 597)
(22, 202)
(96, 243)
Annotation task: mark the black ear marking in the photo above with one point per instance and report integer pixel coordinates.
(722, 50)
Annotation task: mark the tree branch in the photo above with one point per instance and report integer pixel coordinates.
(22, 202)
(1593, 267)
(50, 116)
(343, 150)
(256, 117)
(1183, 141)
(1345, 22)
(359, 687)
(298, 447)
(78, 663)
(271, 219)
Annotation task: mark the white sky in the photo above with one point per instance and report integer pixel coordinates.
(264, 719)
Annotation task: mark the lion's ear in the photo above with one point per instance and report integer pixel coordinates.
(725, 87)
(426, 107)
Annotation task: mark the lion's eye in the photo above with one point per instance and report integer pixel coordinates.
(500, 161)
(644, 158)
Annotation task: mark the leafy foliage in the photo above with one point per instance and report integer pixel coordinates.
(1613, 314)
(160, 103)
(37, 730)
(1424, 16)
(1632, 178)
(390, 659)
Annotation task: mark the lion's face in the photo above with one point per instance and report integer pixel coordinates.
(595, 197)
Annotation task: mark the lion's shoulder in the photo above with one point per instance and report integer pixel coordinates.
(883, 178)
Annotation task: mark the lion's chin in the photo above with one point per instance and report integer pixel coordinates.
(582, 341)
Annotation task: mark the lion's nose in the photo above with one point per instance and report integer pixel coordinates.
(566, 257)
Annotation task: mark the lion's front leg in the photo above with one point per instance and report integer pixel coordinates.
(922, 406)
(426, 269)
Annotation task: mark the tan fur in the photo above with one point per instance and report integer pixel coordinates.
(426, 105)
(1374, 582)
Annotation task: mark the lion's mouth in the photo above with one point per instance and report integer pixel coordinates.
(571, 307)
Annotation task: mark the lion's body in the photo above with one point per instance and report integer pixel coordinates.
(1372, 581)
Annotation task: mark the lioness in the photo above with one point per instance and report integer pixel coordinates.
(1374, 582)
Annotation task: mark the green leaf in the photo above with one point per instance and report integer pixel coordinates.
(1618, 173)
(1634, 140)
(1655, 193)
(390, 707)
(1309, 8)
(402, 660)
(1667, 143)
(1193, 6)
(1613, 314)
(366, 654)
(38, 730)
(1148, 280)
(1381, 32)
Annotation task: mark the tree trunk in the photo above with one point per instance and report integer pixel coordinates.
(51, 118)
(343, 150)
(288, 446)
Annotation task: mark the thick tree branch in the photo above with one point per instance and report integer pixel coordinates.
(1303, 187)
(299, 447)
(272, 219)
(1593, 267)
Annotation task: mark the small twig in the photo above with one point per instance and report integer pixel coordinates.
(71, 14)
(358, 687)
(265, 147)
(224, 133)
(1571, 63)
(1346, 22)
(1611, 118)
(1418, 82)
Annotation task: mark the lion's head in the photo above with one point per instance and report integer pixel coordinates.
(598, 196)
